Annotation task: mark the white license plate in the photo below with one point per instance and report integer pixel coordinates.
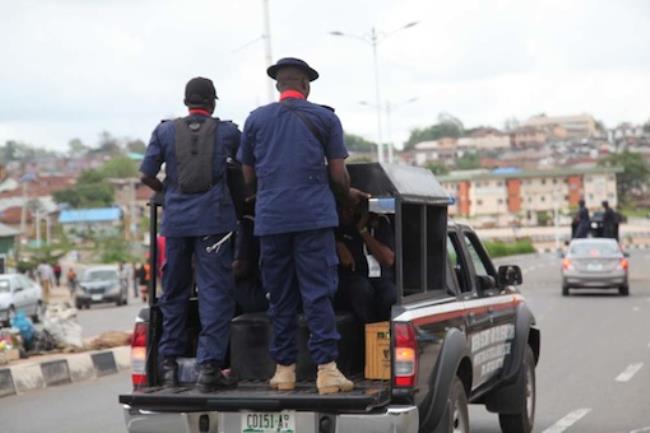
(96, 297)
(594, 267)
(268, 422)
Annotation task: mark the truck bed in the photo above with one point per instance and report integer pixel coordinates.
(256, 395)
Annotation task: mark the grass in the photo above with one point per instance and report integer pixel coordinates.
(503, 249)
(635, 212)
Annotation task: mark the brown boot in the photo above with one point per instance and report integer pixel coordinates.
(331, 380)
(284, 378)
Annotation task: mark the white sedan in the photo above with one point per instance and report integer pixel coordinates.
(17, 292)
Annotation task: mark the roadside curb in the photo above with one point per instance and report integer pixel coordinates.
(59, 370)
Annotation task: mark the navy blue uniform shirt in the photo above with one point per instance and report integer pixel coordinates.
(293, 192)
(200, 214)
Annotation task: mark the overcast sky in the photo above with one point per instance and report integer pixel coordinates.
(73, 68)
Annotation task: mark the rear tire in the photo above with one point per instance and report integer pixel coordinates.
(523, 422)
(458, 421)
(624, 290)
(565, 290)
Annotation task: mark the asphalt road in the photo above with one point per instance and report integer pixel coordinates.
(593, 375)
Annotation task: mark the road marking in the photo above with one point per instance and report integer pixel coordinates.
(636, 309)
(629, 372)
(639, 430)
(566, 422)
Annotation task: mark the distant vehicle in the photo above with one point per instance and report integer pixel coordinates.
(597, 224)
(595, 263)
(17, 292)
(100, 284)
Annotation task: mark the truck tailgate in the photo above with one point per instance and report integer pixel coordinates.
(367, 395)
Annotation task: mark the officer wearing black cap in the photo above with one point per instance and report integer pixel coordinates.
(198, 219)
(292, 151)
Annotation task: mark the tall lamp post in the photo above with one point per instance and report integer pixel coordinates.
(373, 39)
(390, 107)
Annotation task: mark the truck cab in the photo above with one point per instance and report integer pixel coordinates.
(460, 333)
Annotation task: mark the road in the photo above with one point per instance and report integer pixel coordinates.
(592, 377)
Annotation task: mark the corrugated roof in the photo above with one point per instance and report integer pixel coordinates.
(6, 231)
(558, 172)
(90, 215)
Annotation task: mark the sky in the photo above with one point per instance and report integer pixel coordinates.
(75, 68)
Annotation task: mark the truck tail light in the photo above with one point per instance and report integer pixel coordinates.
(566, 264)
(624, 264)
(405, 367)
(139, 355)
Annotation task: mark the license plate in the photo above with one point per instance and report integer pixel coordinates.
(96, 297)
(268, 422)
(594, 267)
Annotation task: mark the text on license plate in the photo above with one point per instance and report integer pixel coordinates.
(594, 267)
(96, 297)
(268, 422)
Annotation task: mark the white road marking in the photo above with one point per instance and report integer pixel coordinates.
(639, 430)
(636, 309)
(629, 372)
(566, 422)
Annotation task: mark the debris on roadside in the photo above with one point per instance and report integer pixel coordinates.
(60, 321)
(110, 339)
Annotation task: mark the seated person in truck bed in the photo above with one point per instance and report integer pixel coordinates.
(365, 245)
(250, 296)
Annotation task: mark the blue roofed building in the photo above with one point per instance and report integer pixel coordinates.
(96, 223)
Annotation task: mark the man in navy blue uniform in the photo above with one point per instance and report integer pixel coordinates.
(198, 220)
(291, 152)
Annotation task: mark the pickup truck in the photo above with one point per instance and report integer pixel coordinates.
(460, 333)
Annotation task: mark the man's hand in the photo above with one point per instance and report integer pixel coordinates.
(363, 221)
(345, 256)
(152, 182)
(356, 196)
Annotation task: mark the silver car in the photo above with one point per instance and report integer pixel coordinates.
(19, 293)
(595, 263)
(100, 284)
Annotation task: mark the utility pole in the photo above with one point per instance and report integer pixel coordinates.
(380, 145)
(267, 47)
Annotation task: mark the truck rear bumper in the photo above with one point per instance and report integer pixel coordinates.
(391, 419)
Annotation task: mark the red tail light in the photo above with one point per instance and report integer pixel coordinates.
(566, 264)
(624, 264)
(139, 355)
(405, 359)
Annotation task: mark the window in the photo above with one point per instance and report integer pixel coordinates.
(457, 262)
(543, 181)
(479, 267)
(481, 261)
(542, 198)
(500, 201)
(479, 202)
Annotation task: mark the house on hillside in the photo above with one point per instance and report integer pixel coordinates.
(8, 237)
(96, 223)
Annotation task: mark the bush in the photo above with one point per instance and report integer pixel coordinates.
(113, 250)
(502, 249)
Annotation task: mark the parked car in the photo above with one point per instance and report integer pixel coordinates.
(17, 292)
(596, 263)
(100, 284)
(460, 333)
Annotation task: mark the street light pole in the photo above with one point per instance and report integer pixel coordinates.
(380, 145)
(267, 47)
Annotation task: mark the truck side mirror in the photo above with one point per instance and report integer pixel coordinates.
(486, 283)
(510, 275)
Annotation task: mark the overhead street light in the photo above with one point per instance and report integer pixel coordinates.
(390, 107)
(373, 39)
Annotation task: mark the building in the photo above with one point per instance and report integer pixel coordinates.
(511, 191)
(485, 139)
(95, 223)
(442, 151)
(576, 126)
(8, 237)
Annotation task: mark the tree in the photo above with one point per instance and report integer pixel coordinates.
(77, 147)
(468, 161)
(438, 169)
(86, 195)
(447, 126)
(635, 173)
(357, 143)
(120, 167)
(108, 144)
(136, 146)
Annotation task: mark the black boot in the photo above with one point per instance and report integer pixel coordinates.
(211, 378)
(169, 373)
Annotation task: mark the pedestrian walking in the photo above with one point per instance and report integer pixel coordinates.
(71, 278)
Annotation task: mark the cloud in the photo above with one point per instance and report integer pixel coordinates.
(74, 68)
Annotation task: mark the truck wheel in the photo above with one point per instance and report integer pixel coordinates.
(624, 290)
(457, 404)
(523, 422)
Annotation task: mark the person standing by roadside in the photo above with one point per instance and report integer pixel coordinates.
(581, 221)
(136, 279)
(46, 278)
(71, 278)
(57, 273)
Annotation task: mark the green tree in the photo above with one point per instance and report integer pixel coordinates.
(447, 126)
(468, 161)
(635, 173)
(77, 147)
(119, 166)
(108, 144)
(357, 143)
(136, 146)
(438, 169)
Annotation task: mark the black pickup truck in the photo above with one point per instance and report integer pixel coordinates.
(460, 333)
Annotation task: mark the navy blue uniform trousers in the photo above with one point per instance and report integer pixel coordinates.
(295, 266)
(214, 282)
